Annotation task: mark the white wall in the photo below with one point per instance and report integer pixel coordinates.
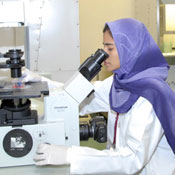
(51, 39)
(54, 37)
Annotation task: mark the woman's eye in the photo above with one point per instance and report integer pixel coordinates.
(110, 49)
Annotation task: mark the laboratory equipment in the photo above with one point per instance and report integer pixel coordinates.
(96, 128)
(21, 130)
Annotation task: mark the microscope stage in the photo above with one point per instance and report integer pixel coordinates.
(30, 90)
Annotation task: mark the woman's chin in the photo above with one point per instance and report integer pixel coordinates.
(108, 69)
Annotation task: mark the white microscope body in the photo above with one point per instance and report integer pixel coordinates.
(63, 106)
(60, 123)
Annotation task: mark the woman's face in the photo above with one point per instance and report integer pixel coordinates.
(112, 62)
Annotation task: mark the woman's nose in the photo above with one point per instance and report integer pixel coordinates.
(105, 49)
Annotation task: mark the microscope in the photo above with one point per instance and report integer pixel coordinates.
(21, 130)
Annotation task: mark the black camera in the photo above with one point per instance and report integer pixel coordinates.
(95, 128)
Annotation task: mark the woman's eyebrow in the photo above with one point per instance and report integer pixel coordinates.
(107, 44)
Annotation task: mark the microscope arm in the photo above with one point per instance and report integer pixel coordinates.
(79, 86)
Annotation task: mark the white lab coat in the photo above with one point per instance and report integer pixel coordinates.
(141, 147)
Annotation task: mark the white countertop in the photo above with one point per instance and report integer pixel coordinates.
(35, 170)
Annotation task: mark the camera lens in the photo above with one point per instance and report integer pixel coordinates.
(84, 131)
(96, 129)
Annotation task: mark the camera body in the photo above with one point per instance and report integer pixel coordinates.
(95, 128)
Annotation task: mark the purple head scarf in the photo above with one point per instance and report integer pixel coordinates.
(143, 71)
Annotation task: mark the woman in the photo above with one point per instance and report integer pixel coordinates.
(140, 109)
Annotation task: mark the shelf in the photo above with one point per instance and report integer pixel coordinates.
(170, 57)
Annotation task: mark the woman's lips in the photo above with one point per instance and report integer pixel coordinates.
(106, 63)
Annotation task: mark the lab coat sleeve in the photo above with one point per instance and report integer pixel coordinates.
(143, 133)
(98, 101)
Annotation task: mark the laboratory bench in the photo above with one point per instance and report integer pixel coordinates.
(48, 170)
(35, 170)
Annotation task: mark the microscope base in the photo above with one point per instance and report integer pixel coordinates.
(18, 144)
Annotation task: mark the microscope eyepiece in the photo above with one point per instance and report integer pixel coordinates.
(100, 55)
(92, 65)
